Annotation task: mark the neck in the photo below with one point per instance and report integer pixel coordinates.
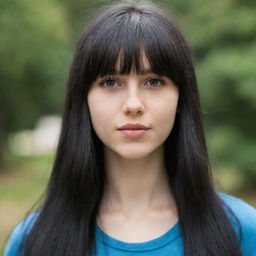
(134, 186)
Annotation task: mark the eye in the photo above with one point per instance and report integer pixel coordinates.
(109, 83)
(155, 82)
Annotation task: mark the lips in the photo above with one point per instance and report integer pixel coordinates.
(135, 126)
(133, 130)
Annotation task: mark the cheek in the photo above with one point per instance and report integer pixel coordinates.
(164, 115)
(100, 113)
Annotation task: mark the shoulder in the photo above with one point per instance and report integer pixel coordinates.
(244, 211)
(245, 223)
(18, 233)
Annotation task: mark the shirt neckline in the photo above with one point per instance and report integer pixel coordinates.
(172, 234)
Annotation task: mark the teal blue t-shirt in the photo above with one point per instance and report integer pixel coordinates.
(170, 243)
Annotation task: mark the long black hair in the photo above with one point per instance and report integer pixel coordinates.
(67, 219)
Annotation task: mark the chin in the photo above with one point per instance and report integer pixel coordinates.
(134, 153)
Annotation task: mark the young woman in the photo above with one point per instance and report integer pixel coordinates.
(131, 174)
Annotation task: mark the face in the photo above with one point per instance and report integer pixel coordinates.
(147, 99)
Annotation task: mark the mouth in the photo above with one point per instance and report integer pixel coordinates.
(134, 129)
(133, 133)
(134, 126)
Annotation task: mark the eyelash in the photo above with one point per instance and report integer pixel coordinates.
(112, 79)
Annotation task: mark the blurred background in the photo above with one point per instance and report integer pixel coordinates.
(36, 46)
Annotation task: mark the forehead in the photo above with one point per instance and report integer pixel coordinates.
(138, 59)
(143, 61)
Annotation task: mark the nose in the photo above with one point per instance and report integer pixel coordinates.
(133, 105)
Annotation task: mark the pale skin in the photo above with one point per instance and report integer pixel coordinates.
(137, 204)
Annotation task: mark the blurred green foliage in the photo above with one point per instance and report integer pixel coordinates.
(222, 36)
(34, 51)
(37, 41)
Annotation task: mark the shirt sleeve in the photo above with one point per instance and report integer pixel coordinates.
(248, 223)
(246, 231)
(16, 237)
(12, 248)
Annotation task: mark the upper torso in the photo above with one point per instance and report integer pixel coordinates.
(163, 242)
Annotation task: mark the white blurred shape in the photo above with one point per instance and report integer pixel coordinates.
(42, 140)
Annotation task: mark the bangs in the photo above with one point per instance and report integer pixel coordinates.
(118, 44)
